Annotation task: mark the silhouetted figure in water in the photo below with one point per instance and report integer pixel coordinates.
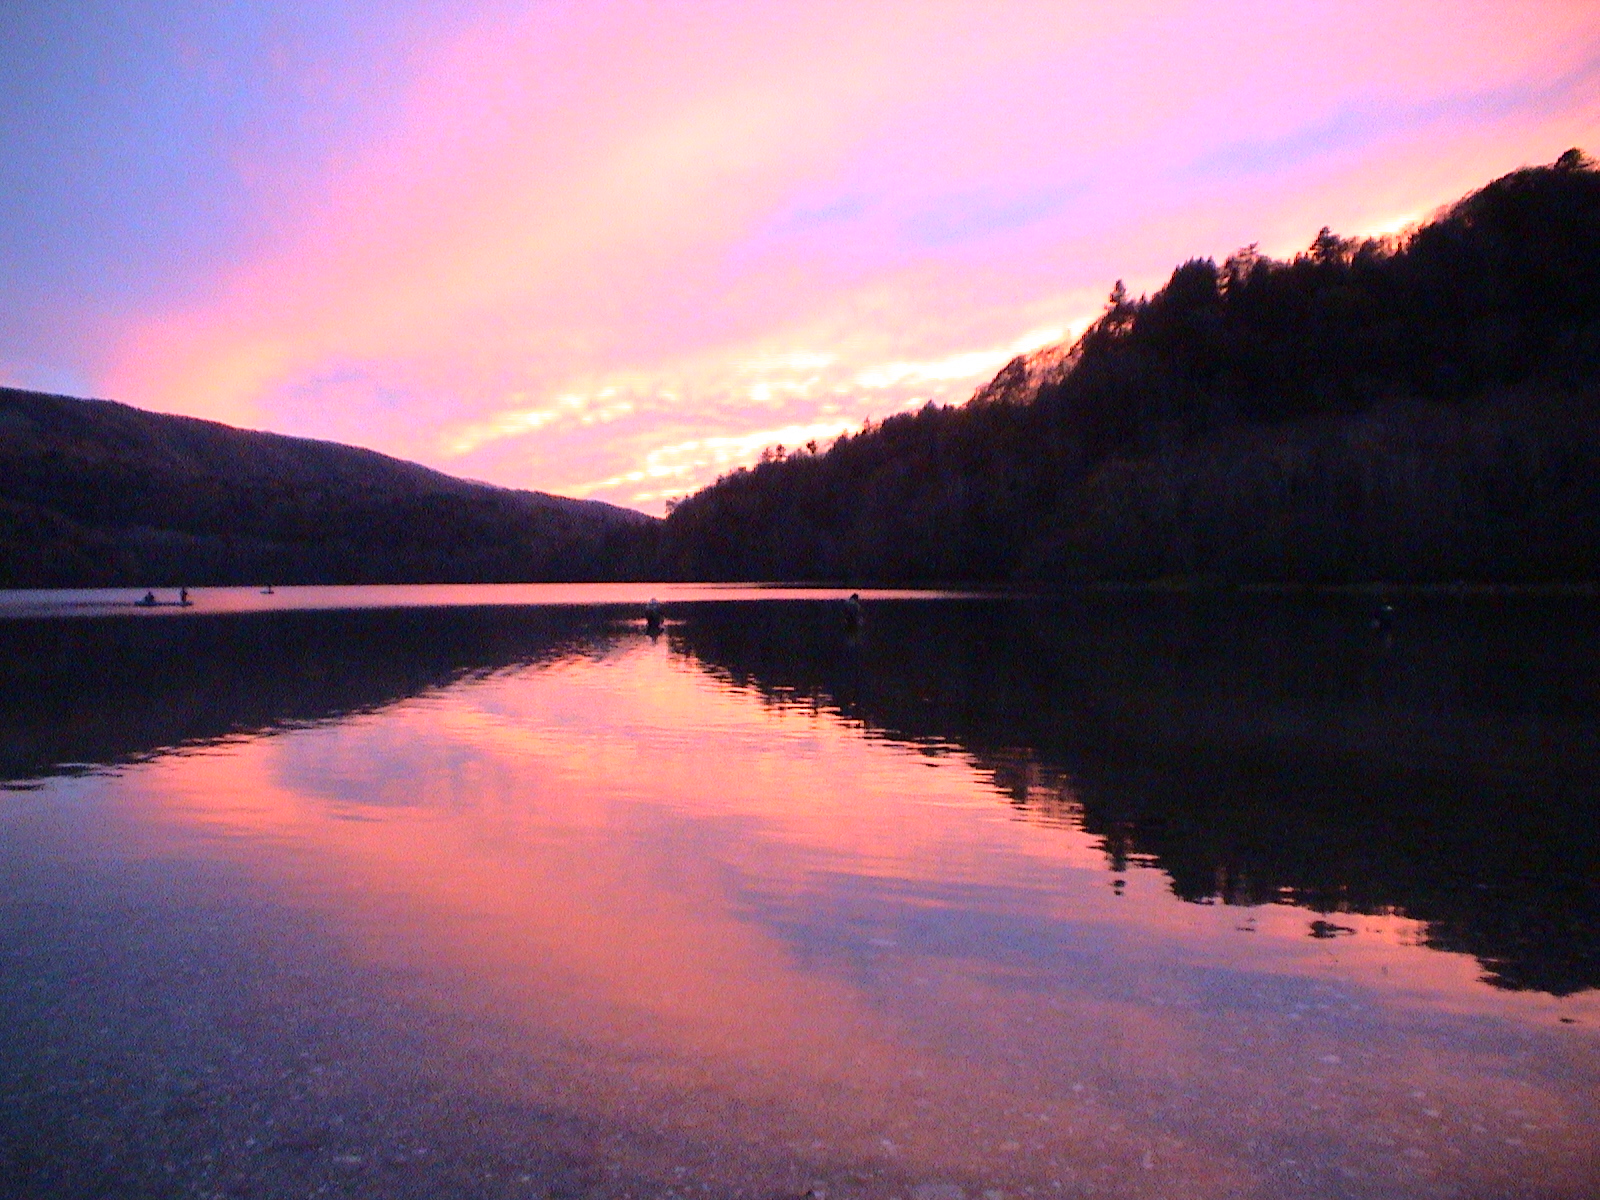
(183, 597)
(149, 600)
(652, 617)
(1383, 619)
(854, 617)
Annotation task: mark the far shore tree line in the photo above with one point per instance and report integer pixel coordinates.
(1416, 408)
(1419, 408)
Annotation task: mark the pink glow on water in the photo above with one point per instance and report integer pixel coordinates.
(633, 888)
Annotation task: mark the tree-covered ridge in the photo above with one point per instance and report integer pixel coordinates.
(1423, 407)
(94, 492)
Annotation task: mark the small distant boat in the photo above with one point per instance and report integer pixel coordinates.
(148, 600)
(267, 591)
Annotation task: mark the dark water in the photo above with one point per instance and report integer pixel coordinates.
(1125, 895)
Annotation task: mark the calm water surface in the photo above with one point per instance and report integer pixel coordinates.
(1120, 896)
(40, 602)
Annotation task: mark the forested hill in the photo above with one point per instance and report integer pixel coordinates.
(1421, 408)
(98, 493)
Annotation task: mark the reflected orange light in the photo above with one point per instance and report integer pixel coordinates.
(563, 851)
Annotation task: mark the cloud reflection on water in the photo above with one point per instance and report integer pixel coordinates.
(844, 940)
(735, 920)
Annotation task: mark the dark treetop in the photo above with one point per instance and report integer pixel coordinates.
(1420, 408)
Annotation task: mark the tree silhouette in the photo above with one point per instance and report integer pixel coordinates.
(1423, 407)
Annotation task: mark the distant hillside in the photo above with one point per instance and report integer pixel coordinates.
(98, 493)
(1421, 408)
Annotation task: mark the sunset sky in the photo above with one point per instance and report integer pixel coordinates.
(610, 249)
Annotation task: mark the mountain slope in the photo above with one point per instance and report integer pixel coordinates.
(95, 492)
(1424, 408)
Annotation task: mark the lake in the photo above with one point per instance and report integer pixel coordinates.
(488, 892)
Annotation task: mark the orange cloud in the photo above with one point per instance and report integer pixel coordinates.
(626, 204)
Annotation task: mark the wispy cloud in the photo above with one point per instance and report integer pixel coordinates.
(614, 247)
(668, 471)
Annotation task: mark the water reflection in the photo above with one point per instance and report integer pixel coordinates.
(528, 903)
(76, 694)
(1259, 749)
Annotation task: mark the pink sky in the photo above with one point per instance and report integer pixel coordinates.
(612, 249)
